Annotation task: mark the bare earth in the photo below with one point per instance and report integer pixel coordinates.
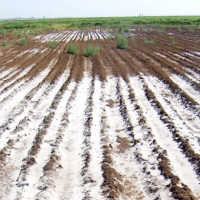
(123, 124)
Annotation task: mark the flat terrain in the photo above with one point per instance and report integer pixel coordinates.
(123, 124)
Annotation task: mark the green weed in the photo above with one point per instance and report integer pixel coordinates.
(174, 42)
(110, 31)
(14, 43)
(18, 34)
(23, 42)
(191, 30)
(179, 29)
(126, 30)
(161, 30)
(72, 48)
(52, 44)
(149, 41)
(2, 32)
(144, 30)
(120, 30)
(90, 50)
(4, 43)
(121, 42)
(132, 39)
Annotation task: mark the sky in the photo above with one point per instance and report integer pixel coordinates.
(93, 8)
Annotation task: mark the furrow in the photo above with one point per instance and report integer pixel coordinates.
(146, 164)
(24, 134)
(70, 149)
(17, 76)
(18, 95)
(178, 162)
(184, 120)
(186, 87)
(120, 179)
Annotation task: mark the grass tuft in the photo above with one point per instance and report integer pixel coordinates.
(120, 30)
(179, 29)
(2, 32)
(161, 30)
(4, 43)
(14, 43)
(144, 30)
(53, 44)
(121, 42)
(174, 42)
(126, 30)
(72, 48)
(23, 42)
(90, 50)
(149, 41)
(191, 30)
(132, 39)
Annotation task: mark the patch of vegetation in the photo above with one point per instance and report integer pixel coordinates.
(126, 30)
(191, 30)
(121, 41)
(120, 30)
(18, 34)
(132, 39)
(72, 48)
(52, 44)
(4, 43)
(144, 30)
(37, 32)
(171, 37)
(174, 42)
(23, 42)
(112, 22)
(110, 37)
(14, 43)
(110, 31)
(86, 30)
(161, 30)
(149, 41)
(2, 32)
(179, 29)
(90, 50)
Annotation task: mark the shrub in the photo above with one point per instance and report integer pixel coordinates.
(52, 44)
(72, 48)
(4, 43)
(90, 50)
(144, 30)
(149, 41)
(121, 42)
(23, 42)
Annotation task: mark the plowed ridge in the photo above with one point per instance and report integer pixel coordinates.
(123, 124)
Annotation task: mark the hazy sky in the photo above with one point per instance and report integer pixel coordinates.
(92, 8)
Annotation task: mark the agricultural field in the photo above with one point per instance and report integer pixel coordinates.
(123, 124)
